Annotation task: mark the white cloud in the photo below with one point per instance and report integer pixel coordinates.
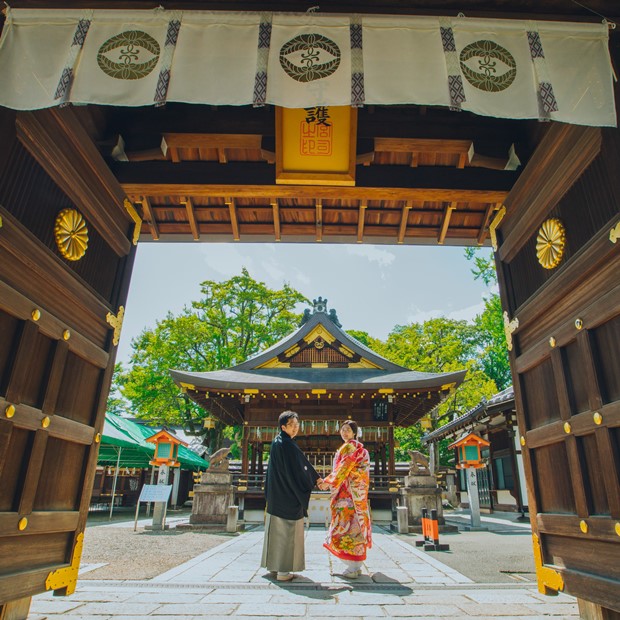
(372, 253)
(458, 314)
(227, 259)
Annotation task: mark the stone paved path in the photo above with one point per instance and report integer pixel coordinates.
(399, 581)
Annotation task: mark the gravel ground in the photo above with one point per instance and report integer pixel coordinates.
(142, 554)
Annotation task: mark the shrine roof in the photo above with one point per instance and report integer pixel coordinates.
(306, 378)
(318, 354)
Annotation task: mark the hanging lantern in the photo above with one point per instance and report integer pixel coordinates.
(426, 423)
(209, 423)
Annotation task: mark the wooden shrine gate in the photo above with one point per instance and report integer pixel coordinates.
(565, 339)
(60, 319)
(57, 347)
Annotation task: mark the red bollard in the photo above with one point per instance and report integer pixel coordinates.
(430, 531)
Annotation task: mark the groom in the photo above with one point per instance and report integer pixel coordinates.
(288, 485)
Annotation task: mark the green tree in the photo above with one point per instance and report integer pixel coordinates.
(491, 336)
(231, 321)
(439, 345)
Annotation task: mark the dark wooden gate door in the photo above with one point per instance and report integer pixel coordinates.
(57, 342)
(558, 258)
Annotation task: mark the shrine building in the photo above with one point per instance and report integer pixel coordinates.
(326, 376)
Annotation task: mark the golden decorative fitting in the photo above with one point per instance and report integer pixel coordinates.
(22, 524)
(614, 234)
(35, 314)
(567, 427)
(0, 221)
(550, 243)
(97, 437)
(493, 226)
(617, 528)
(9, 412)
(189, 386)
(583, 526)
(45, 422)
(509, 328)
(578, 323)
(66, 334)
(549, 581)
(71, 234)
(552, 342)
(136, 218)
(117, 323)
(67, 577)
(522, 440)
(598, 418)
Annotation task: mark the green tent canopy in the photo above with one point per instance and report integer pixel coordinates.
(120, 434)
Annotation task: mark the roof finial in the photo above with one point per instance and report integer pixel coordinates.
(320, 305)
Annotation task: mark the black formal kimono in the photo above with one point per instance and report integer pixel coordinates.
(288, 485)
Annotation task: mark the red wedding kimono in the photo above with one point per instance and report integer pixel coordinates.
(349, 533)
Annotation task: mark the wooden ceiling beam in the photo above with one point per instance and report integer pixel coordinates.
(319, 220)
(276, 219)
(421, 145)
(403, 221)
(267, 192)
(484, 229)
(151, 219)
(191, 217)
(447, 214)
(211, 173)
(211, 141)
(234, 222)
(360, 221)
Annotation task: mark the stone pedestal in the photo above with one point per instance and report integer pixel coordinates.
(421, 492)
(212, 497)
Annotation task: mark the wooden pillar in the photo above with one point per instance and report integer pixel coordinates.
(391, 464)
(254, 450)
(592, 611)
(244, 453)
(16, 610)
(383, 460)
(261, 470)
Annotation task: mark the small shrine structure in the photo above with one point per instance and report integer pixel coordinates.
(326, 376)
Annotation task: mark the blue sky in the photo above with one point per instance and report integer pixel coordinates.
(372, 287)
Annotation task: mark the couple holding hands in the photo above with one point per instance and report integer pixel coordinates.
(289, 482)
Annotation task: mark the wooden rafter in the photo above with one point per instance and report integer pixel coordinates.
(276, 219)
(191, 217)
(447, 214)
(403, 221)
(360, 221)
(210, 141)
(484, 229)
(234, 222)
(150, 217)
(319, 220)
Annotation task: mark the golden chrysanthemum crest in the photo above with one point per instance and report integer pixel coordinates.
(550, 243)
(71, 234)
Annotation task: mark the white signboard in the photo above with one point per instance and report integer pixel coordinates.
(155, 493)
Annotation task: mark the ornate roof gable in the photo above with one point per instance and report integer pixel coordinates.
(319, 343)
